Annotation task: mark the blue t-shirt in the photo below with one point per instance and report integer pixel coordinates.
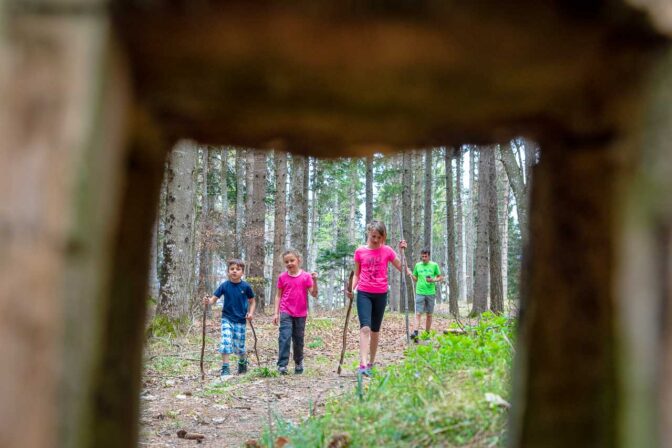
(236, 296)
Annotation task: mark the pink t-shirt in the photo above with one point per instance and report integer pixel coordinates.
(294, 298)
(373, 268)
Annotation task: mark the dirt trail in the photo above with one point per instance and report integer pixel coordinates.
(228, 414)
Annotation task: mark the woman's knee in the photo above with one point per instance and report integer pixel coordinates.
(365, 331)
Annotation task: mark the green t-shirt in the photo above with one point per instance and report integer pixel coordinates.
(421, 271)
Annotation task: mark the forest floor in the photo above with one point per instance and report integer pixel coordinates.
(230, 413)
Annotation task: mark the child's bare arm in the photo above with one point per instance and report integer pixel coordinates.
(276, 315)
(252, 306)
(355, 279)
(313, 289)
(209, 300)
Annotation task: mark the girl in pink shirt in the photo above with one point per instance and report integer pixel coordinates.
(370, 281)
(291, 309)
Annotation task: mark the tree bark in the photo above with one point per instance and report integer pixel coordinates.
(256, 227)
(471, 220)
(520, 191)
(315, 216)
(175, 289)
(407, 229)
(205, 230)
(480, 304)
(298, 221)
(64, 161)
(369, 189)
(418, 201)
(429, 166)
(459, 227)
(453, 286)
(494, 238)
(503, 207)
(280, 214)
(240, 202)
(226, 247)
(570, 393)
(248, 234)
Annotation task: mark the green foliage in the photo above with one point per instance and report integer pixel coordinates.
(169, 365)
(338, 258)
(514, 255)
(321, 323)
(164, 326)
(215, 388)
(265, 372)
(316, 343)
(436, 397)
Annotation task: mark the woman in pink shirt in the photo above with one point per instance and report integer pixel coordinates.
(370, 281)
(291, 309)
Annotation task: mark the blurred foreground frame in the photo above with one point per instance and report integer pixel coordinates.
(94, 94)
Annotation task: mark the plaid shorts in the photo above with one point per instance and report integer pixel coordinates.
(233, 338)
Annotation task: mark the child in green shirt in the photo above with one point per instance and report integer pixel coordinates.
(426, 274)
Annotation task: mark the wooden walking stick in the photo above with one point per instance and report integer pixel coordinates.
(254, 335)
(205, 315)
(348, 289)
(404, 268)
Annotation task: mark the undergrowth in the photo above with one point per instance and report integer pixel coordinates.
(449, 391)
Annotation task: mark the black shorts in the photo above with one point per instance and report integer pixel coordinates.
(370, 308)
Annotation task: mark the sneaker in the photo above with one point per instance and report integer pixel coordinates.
(364, 371)
(225, 373)
(414, 336)
(282, 370)
(242, 367)
(298, 369)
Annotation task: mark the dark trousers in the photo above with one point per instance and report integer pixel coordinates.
(294, 329)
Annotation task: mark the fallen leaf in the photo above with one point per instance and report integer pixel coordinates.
(281, 441)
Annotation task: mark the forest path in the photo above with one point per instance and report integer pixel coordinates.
(232, 412)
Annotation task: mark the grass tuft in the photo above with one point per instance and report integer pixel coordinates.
(436, 397)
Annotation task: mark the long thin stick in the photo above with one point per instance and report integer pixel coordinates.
(205, 315)
(403, 285)
(348, 289)
(254, 334)
(404, 268)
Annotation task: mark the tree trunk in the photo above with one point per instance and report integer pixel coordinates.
(280, 217)
(314, 213)
(248, 234)
(369, 190)
(406, 298)
(480, 304)
(256, 227)
(453, 287)
(571, 389)
(520, 190)
(240, 202)
(459, 227)
(503, 207)
(64, 173)
(494, 238)
(203, 244)
(175, 289)
(154, 261)
(429, 166)
(417, 215)
(226, 247)
(354, 186)
(471, 220)
(298, 222)
(395, 227)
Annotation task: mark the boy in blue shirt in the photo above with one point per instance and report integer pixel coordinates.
(239, 305)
